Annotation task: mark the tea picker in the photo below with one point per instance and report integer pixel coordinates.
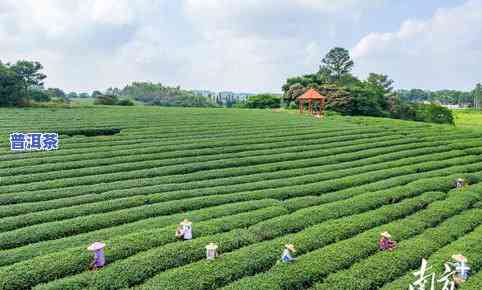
(459, 183)
(184, 230)
(99, 257)
(211, 251)
(462, 270)
(386, 243)
(286, 256)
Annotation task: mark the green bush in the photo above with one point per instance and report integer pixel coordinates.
(263, 101)
(434, 114)
(106, 100)
(125, 102)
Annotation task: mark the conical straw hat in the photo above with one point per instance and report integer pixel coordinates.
(290, 247)
(211, 246)
(96, 246)
(386, 235)
(459, 258)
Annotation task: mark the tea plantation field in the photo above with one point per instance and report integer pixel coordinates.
(250, 181)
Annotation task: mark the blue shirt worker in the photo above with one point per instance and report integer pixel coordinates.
(462, 270)
(286, 256)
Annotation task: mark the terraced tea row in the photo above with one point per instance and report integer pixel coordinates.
(230, 241)
(250, 181)
(33, 218)
(140, 210)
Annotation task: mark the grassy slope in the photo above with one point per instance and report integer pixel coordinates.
(468, 119)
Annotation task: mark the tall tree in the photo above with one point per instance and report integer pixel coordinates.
(30, 74)
(10, 88)
(381, 81)
(336, 63)
(293, 92)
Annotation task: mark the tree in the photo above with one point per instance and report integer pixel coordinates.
(368, 100)
(96, 94)
(40, 95)
(84, 95)
(72, 95)
(381, 81)
(113, 91)
(433, 113)
(263, 101)
(11, 88)
(336, 64)
(294, 92)
(106, 100)
(477, 95)
(29, 73)
(56, 93)
(157, 94)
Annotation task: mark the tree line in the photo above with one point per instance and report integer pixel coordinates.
(349, 95)
(22, 84)
(446, 97)
(156, 94)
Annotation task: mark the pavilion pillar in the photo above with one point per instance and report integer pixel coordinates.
(310, 106)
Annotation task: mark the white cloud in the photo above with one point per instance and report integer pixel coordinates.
(443, 51)
(232, 44)
(258, 44)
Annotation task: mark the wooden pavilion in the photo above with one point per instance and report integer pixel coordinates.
(311, 96)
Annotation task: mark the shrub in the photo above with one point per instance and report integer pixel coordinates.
(106, 100)
(434, 114)
(263, 101)
(125, 102)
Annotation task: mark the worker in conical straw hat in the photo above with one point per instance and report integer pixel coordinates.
(99, 257)
(211, 251)
(386, 242)
(459, 183)
(462, 270)
(286, 256)
(184, 230)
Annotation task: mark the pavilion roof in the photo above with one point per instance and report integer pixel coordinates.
(311, 94)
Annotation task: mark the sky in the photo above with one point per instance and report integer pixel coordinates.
(242, 45)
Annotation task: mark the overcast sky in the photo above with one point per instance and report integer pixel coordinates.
(242, 45)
